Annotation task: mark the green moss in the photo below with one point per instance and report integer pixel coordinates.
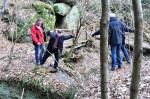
(75, 58)
(70, 94)
(56, 9)
(22, 30)
(40, 6)
(36, 90)
(44, 11)
(64, 54)
(36, 69)
(27, 7)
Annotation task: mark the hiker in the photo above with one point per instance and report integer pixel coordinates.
(38, 40)
(116, 32)
(55, 47)
(123, 46)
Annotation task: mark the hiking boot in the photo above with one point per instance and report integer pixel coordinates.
(119, 67)
(53, 70)
(112, 69)
(128, 62)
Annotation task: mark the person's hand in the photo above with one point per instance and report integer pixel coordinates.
(38, 43)
(92, 35)
(73, 35)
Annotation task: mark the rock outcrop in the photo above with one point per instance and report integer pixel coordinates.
(62, 9)
(71, 21)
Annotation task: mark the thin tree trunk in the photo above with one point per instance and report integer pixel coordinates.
(138, 50)
(104, 49)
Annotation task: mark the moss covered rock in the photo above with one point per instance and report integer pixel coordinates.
(62, 9)
(41, 10)
(46, 12)
(69, 2)
(71, 21)
(12, 88)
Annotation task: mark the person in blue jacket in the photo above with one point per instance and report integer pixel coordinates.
(116, 32)
(124, 49)
(55, 47)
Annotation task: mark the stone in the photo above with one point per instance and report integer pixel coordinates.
(26, 39)
(71, 21)
(142, 85)
(62, 8)
(69, 2)
(124, 90)
(128, 83)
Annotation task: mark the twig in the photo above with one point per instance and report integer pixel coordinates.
(22, 93)
(12, 48)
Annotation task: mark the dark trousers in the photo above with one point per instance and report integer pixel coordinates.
(49, 53)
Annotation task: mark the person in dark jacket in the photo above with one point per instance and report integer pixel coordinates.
(123, 46)
(37, 33)
(55, 47)
(116, 31)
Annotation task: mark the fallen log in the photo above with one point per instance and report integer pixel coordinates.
(147, 36)
(81, 44)
(130, 41)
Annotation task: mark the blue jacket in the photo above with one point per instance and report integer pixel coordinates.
(60, 41)
(116, 31)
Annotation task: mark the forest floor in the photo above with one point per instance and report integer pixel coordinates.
(86, 74)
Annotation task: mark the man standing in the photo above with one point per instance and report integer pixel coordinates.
(116, 31)
(38, 40)
(55, 47)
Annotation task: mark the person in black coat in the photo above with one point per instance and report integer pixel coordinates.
(116, 32)
(55, 47)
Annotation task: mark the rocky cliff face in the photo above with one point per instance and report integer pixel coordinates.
(20, 17)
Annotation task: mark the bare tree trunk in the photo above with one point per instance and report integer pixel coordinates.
(138, 51)
(104, 49)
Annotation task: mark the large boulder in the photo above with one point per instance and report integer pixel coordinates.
(26, 39)
(62, 8)
(71, 21)
(69, 2)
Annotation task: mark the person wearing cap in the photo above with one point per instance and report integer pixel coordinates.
(116, 32)
(123, 46)
(55, 47)
(37, 32)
